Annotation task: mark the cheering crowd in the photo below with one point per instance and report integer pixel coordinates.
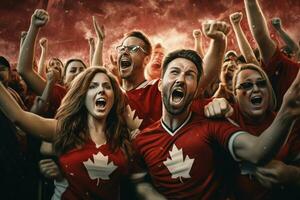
(187, 124)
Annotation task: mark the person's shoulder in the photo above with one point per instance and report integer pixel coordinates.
(150, 130)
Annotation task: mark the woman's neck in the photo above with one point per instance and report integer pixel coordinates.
(97, 129)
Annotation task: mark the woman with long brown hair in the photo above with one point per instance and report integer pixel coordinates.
(89, 134)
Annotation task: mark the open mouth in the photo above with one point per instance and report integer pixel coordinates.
(177, 95)
(100, 103)
(125, 62)
(256, 100)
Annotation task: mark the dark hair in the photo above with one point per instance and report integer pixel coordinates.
(4, 62)
(143, 37)
(187, 54)
(69, 61)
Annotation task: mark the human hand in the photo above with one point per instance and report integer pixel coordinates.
(236, 18)
(215, 29)
(39, 18)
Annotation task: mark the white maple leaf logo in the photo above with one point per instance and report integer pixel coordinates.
(177, 166)
(100, 168)
(133, 123)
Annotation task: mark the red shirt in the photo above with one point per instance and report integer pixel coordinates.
(147, 104)
(246, 187)
(281, 71)
(183, 164)
(58, 94)
(93, 172)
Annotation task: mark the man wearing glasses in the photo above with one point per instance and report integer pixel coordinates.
(134, 54)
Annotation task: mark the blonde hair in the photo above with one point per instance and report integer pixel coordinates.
(250, 66)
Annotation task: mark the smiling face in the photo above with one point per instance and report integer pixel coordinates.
(132, 63)
(252, 94)
(100, 96)
(179, 85)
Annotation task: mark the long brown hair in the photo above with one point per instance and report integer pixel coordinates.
(72, 116)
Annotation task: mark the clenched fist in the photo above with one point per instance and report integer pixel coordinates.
(236, 18)
(39, 18)
(215, 29)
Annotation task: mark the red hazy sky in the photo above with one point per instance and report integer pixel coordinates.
(170, 22)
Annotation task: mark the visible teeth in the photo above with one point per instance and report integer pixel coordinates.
(256, 100)
(100, 102)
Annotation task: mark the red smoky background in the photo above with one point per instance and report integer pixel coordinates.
(169, 22)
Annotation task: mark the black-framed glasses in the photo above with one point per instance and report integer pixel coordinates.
(131, 48)
(249, 85)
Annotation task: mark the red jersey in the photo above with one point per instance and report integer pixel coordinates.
(58, 94)
(281, 71)
(245, 186)
(92, 172)
(184, 164)
(147, 104)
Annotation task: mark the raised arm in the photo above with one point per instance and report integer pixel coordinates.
(243, 43)
(25, 62)
(259, 30)
(23, 36)
(91, 42)
(28, 122)
(213, 58)
(197, 34)
(42, 65)
(97, 58)
(261, 149)
(41, 104)
(276, 22)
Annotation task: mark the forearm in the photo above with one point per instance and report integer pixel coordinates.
(212, 62)
(244, 45)
(97, 58)
(92, 52)
(41, 65)
(25, 63)
(288, 40)
(47, 93)
(42, 103)
(259, 29)
(28, 122)
(27, 51)
(261, 149)
(198, 47)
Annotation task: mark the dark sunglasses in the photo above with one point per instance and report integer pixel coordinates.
(131, 48)
(250, 85)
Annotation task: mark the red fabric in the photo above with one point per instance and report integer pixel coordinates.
(282, 72)
(58, 94)
(147, 103)
(201, 140)
(81, 185)
(248, 188)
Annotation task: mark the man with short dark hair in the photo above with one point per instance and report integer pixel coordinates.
(134, 54)
(181, 151)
